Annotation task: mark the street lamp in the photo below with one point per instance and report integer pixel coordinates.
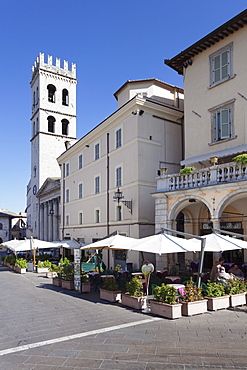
(118, 198)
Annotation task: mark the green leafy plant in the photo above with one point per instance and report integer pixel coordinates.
(84, 278)
(165, 294)
(241, 159)
(67, 272)
(44, 264)
(21, 263)
(118, 268)
(10, 259)
(110, 284)
(56, 268)
(186, 170)
(215, 290)
(134, 287)
(193, 293)
(64, 261)
(235, 286)
(44, 257)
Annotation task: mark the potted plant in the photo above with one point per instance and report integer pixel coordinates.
(241, 159)
(134, 294)
(164, 303)
(43, 266)
(85, 283)
(193, 302)
(109, 291)
(56, 271)
(67, 275)
(186, 170)
(21, 265)
(237, 290)
(216, 297)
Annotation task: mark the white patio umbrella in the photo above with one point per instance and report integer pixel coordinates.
(27, 244)
(113, 242)
(164, 243)
(219, 243)
(69, 244)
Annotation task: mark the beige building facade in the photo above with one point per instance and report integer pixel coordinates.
(119, 160)
(214, 194)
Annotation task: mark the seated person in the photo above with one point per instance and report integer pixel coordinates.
(223, 275)
(215, 269)
(235, 270)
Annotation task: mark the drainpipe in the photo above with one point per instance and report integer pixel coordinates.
(107, 194)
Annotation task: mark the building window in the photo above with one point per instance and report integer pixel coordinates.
(96, 151)
(119, 213)
(96, 185)
(67, 169)
(34, 171)
(51, 93)
(51, 124)
(65, 127)
(118, 176)
(67, 220)
(80, 218)
(34, 128)
(34, 99)
(118, 138)
(80, 191)
(1, 226)
(97, 216)
(222, 122)
(67, 196)
(80, 161)
(221, 65)
(65, 97)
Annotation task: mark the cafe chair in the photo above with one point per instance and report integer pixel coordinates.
(177, 281)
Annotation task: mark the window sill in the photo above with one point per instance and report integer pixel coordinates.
(222, 141)
(221, 82)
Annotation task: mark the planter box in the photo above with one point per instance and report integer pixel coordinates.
(194, 308)
(218, 303)
(237, 299)
(41, 270)
(57, 281)
(111, 296)
(170, 311)
(139, 303)
(51, 274)
(85, 287)
(68, 284)
(20, 270)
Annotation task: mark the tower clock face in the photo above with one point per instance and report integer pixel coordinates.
(34, 189)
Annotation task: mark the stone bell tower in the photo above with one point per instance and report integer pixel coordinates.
(53, 122)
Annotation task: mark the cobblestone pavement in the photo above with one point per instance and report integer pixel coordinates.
(46, 327)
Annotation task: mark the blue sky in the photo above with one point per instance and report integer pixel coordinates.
(111, 41)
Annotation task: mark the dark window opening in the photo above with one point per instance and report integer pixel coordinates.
(51, 124)
(51, 93)
(65, 126)
(65, 97)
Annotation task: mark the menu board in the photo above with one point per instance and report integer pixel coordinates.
(77, 269)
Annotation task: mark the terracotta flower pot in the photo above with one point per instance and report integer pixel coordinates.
(111, 296)
(139, 303)
(170, 311)
(218, 303)
(194, 308)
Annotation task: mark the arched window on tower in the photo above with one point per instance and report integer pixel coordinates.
(33, 99)
(51, 93)
(37, 95)
(51, 124)
(65, 127)
(34, 128)
(65, 97)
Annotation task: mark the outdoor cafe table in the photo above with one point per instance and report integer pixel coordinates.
(137, 274)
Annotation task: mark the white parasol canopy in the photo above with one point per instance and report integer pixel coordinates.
(69, 244)
(164, 243)
(220, 243)
(113, 242)
(27, 244)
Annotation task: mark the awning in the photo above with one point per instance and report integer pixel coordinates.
(218, 153)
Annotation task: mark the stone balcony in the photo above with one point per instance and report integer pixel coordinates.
(215, 175)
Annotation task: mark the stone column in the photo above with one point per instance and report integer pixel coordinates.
(46, 221)
(50, 220)
(41, 226)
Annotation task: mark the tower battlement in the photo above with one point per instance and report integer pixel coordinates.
(55, 68)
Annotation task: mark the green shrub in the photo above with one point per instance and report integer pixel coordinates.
(44, 264)
(110, 284)
(186, 170)
(165, 294)
(240, 159)
(193, 293)
(64, 261)
(134, 287)
(236, 286)
(215, 290)
(67, 272)
(21, 263)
